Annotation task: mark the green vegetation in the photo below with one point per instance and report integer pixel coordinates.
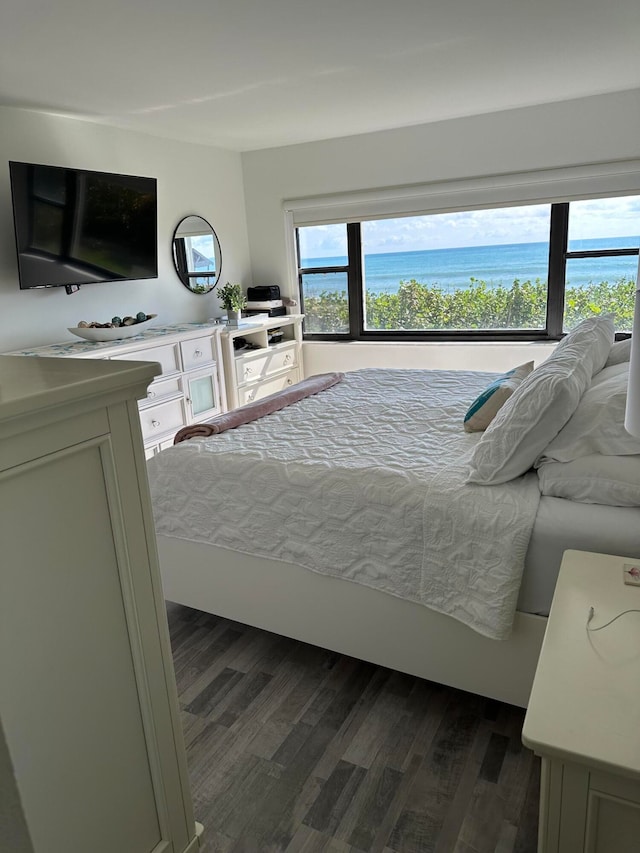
(231, 297)
(423, 307)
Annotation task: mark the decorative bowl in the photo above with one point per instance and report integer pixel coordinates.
(116, 334)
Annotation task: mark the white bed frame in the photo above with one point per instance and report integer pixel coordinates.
(352, 619)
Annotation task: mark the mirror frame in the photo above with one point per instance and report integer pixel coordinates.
(179, 258)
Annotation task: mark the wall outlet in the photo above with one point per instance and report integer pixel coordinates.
(631, 573)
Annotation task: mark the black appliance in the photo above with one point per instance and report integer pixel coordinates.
(263, 293)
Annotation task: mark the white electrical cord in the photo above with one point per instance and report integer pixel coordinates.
(606, 624)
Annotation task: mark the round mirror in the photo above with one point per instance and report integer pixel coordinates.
(196, 254)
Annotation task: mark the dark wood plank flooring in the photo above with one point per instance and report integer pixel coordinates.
(294, 748)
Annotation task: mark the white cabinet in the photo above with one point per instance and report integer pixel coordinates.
(87, 694)
(583, 717)
(189, 388)
(262, 367)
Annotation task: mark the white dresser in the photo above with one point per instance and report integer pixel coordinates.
(583, 717)
(267, 367)
(88, 703)
(190, 388)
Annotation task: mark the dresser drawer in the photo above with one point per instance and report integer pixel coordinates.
(162, 389)
(162, 419)
(166, 356)
(262, 363)
(249, 393)
(197, 352)
(151, 450)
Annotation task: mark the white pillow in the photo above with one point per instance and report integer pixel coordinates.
(594, 479)
(620, 351)
(584, 332)
(542, 405)
(487, 404)
(597, 425)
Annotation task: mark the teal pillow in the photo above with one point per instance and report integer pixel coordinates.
(487, 405)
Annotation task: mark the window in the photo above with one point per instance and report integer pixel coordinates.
(520, 272)
(324, 280)
(602, 259)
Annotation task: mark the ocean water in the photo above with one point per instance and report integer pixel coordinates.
(452, 269)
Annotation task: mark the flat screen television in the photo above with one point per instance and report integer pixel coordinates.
(75, 226)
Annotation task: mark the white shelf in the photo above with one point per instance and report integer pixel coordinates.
(254, 373)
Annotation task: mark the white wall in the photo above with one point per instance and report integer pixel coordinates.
(323, 356)
(191, 179)
(588, 130)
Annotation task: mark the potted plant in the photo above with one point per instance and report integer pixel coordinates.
(233, 300)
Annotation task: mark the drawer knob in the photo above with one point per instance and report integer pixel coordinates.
(151, 394)
(289, 381)
(155, 424)
(287, 358)
(251, 395)
(248, 371)
(197, 353)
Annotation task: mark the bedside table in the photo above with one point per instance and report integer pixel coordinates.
(255, 373)
(583, 717)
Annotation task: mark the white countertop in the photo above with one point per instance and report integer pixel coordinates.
(585, 702)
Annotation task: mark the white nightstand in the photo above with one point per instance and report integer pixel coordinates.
(583, 717)
(251, 374)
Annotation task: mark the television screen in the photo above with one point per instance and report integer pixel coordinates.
(75, 226)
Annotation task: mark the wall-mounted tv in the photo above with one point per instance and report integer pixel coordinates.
(75, 226)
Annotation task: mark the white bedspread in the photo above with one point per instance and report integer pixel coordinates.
(364, 481)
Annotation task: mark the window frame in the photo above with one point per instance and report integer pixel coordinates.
(553, 331)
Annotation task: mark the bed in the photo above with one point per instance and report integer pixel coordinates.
(347, 520)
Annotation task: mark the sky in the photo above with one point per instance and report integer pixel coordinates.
(204, 244)
(617, 217)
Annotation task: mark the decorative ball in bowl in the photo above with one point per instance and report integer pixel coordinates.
(118, 329)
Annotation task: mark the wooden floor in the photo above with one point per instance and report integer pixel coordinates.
(294, 748)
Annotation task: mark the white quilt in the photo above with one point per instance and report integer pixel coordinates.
(364, 481)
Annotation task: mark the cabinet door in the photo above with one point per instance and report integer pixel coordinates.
(203, 396)
(613, 816)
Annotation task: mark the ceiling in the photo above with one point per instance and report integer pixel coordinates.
(250, 74)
